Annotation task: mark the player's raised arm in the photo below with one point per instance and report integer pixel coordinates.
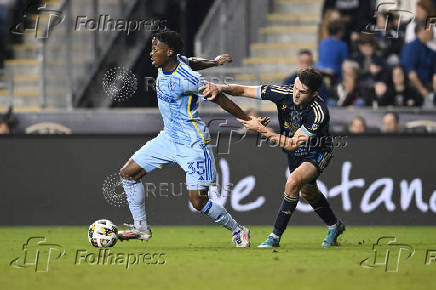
(287, 143)
(229, 106)
(211, 90)
(232, 108)
(197, 63)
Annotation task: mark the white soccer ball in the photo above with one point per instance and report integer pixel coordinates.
(103, 233)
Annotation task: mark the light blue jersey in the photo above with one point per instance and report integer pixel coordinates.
(178, 98)
(184, 137)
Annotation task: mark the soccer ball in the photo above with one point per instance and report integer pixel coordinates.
(103, 233)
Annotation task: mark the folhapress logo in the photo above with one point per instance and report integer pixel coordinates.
(38, 254)
(31, 20)
(387, 253)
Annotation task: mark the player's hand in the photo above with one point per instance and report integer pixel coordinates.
(209, 90)
(264, 120)
(252, 124)
(223, 58)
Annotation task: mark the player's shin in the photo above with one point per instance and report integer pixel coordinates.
(136, 198)
(321, 206)
(287, 207)
(220, 215)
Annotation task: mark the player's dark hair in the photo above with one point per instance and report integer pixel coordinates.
(305, 51)
(311, 78)
(172, 39)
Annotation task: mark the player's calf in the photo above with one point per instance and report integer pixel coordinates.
(198, 198)
(200, 201)
(131, 174)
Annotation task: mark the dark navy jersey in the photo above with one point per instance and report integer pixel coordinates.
(313, 120)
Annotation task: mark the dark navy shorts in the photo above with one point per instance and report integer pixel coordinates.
(319, 159)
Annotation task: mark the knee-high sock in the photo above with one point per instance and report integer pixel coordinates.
(136, 198)
(286, 209)
(321, 206)
(220, 215)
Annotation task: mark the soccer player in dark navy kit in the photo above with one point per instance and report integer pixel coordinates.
(304, 124)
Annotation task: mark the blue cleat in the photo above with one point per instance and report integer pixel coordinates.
(332, 235)
(270, 243)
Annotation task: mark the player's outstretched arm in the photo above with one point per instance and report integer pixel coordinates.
(197, 63)
(287, 143)
(211, 90)
(229, 106)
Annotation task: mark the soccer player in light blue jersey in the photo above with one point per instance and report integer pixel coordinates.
(183, 141)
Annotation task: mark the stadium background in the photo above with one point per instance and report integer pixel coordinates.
(69, 131)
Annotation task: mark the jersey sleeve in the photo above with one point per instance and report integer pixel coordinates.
(190, 82)
(273, 93)
(313, 120)
(183, 59)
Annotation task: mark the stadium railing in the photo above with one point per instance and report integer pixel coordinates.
(231, 26)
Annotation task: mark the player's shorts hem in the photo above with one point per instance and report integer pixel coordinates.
(198, 186)
(147, 167)
(316, 161)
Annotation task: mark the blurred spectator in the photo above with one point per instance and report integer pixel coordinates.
(431, 100)
(355, 14)
(357, 125)
(419, 61)
(424, 9)
(4, 128)
(348, 92)
(391, 122)
(332, 51)
(399, 92)
(8, 122)
(305, 60)
(372, 66)
(330, 16)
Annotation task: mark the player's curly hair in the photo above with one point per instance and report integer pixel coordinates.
(311, 78)
(172, 39)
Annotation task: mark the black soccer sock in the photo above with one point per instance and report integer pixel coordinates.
(322, 207)
(287, 207)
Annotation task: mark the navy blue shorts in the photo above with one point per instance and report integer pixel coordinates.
(319, 159)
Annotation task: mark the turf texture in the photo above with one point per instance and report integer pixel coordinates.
(198, 257)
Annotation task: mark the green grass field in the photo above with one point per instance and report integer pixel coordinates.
(203, 258)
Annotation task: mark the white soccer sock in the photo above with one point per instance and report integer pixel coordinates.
(141, 225)
(275, 236)
(332, 227)
(220, 215)
(136, 198)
